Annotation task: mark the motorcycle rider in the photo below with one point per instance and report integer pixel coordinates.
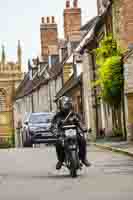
(67, 114)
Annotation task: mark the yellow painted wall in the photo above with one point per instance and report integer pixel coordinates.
(67, 72)
(75, 94)
(6, 124)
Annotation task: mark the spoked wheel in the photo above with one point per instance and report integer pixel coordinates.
(74, 164)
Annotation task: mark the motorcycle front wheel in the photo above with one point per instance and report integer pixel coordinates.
(74, 164)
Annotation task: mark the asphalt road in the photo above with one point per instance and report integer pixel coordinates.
(29, 174)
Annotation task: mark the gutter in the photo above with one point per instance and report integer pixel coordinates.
(114, 149)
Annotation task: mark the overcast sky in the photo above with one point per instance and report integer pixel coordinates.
(20, 20)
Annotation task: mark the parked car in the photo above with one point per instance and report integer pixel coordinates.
(36, 129)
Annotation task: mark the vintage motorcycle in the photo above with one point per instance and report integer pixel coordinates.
(69, 142)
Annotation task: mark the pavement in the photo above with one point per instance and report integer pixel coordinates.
(29, 174)
(120, 147)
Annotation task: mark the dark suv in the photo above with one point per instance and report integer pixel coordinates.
(36, 129)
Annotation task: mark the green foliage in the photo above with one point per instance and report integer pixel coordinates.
(7, 142)
(110, 71)
(117, 132)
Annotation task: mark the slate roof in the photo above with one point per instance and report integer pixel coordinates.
(73, 82)
(56, 70)
(89, 24)
(27, 86)
(69, 85)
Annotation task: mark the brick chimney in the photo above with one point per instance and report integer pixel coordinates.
(49, 37)
(72, 21)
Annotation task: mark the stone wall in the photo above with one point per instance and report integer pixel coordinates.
(128, 69)
(54, 86)
(43, 100)
(90, 114)
(123, 21)
(43, 105)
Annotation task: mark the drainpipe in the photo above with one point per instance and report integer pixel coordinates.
(30, 71)
(95, 92)
(123, 103)
(50, 99)
(81, 93)
(74, 66)
(32, 103)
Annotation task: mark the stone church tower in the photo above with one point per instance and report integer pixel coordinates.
(10, 77)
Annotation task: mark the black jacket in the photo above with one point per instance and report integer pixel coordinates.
(70, 118)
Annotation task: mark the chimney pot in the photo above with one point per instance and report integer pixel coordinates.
(43, 21)
(75, 3)
(53, 20)
(67, 4)
(48, 20)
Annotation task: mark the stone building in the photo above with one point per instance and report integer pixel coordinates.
(117, 19)
(122, 15)
(79, 71)
(60, 72)
(67, 67)
(10, 77)
(47, 72)
(37, 91)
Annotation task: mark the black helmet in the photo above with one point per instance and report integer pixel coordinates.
(65, 103)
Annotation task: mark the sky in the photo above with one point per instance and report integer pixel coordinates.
(20, 20)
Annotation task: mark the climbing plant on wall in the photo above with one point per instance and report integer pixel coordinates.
(110, 76)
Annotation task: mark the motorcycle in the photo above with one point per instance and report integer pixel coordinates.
(69, 142)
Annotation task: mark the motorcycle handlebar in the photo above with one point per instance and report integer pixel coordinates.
(87, 130)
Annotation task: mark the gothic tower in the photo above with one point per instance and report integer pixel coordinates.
(3, 58)
(10, 77)
(19, 54)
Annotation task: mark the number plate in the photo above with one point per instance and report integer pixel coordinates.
(70, 132)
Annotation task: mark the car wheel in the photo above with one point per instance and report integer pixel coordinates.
(27, 143)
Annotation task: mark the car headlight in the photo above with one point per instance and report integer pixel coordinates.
(32, 129)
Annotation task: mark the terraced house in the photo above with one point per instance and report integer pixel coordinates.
(44, 79)
(96, 113)
(68, 66)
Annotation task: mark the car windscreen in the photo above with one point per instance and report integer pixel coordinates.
(41, 118)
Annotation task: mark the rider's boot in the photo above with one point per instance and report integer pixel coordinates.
(59, 165)
(86, 163)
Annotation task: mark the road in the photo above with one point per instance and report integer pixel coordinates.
(29, 174)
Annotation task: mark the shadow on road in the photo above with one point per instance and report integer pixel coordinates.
(48, 176)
